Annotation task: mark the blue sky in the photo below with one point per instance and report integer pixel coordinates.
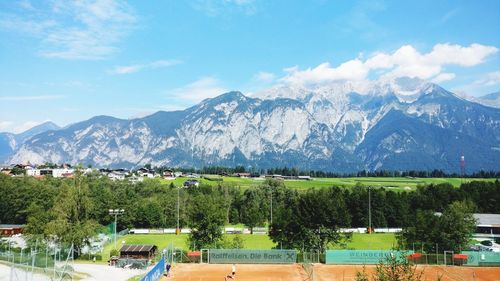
(67, 61)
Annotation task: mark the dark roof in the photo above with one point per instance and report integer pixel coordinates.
(138, 248)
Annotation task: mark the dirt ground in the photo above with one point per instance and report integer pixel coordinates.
(447, 273)
(256, 272)
(244, 272)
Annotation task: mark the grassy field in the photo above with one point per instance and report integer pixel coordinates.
(396, 183)
(180, 241)
(160, 240)
(376, 241)
(382, 241)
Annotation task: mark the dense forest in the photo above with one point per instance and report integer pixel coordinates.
(48, 204)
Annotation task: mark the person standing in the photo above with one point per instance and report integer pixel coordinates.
(167, 269)
(233, 273)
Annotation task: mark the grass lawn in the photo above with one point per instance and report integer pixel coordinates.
(379, 241)
(376, 241)
(160, 240)
(395, 183)
(257, 241)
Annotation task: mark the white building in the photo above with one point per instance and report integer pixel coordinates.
(487, 226)
(116, 176)
(62, 172)
(32, 172)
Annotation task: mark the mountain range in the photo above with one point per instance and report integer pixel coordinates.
(9, 142)
(395, 124)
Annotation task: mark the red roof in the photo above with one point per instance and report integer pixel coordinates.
(194, 254)
(460, 256)
(415, 256)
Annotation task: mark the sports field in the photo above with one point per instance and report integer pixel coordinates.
(180, 241)
(395, 183)
(446, 273)
(160, 240)
(378, 241)
(209, 272)
(250, 272)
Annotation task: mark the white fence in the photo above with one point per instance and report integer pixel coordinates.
(256, 230)
(377, 230)
(228, 230)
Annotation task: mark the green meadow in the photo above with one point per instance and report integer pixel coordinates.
(396, 183)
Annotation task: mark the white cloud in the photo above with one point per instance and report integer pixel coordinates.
(443, 77)
(206, 87)
(88, 29)
(405, 61)
(127, 69)
(455, 54)
(264, 76)
(350, 70)
(5, 125)
(484, 85)
(9, 126)
(491, 79)
(31, 98)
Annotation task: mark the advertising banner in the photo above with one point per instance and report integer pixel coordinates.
(252, 256)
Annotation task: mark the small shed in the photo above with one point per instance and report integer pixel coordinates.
(11, 229)
(138, 251)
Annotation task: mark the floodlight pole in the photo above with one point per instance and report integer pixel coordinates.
(271, 207)
(116, 220)
(177, 231)
(369, 211)
(116, 212)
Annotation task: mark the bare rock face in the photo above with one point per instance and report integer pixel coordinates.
(399, 124)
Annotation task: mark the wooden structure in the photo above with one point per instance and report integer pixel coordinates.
(10, 229)
(138, 251)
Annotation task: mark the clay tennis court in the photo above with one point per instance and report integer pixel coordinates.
(448, 273)
(247, 272)
(295, 272)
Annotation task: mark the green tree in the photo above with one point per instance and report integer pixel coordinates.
(252, 210)
(457, 224)
(149, 214)
(36, 222)
(206, 220)
(452, 230)
(70, 216)
(18, 171)
(310, 220)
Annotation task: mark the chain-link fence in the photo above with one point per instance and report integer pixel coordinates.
(46, 262)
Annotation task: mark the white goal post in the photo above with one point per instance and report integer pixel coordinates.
(205, 256)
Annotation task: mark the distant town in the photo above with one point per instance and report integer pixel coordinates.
(121, 174)
(168, 173)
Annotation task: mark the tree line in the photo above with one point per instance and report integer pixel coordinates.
(72, 209)
(292, 171)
